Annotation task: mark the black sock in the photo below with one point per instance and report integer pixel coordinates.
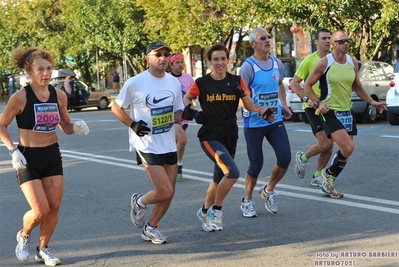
(338, 164)
(204, 210)
(217, 207)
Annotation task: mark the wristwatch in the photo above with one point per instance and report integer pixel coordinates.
(316, 104)
(12, 150)
(305, 99)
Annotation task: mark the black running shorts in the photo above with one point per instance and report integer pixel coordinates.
(156, 159)
(42, 162)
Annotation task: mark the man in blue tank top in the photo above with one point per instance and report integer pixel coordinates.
(263, 75)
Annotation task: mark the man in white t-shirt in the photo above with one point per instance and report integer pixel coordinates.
(155, 102)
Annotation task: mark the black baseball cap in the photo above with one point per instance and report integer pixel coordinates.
(154, 46)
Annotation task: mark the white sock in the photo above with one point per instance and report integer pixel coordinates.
(140, 203)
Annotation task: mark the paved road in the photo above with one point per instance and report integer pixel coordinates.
(308, 230)
(2, 105)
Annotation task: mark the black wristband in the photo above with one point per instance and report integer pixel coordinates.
(268, 112)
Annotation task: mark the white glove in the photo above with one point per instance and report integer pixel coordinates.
(80, 128)
(18, 160)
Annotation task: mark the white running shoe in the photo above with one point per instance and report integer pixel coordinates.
(317, 181)
(22, 249)
(204, 220)
(137, 213)
(45, 256)
(153, 235)
(214, 219)
(248, 208)
(300, 166)
(270, 202)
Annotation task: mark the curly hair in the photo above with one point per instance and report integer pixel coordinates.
(23, 59)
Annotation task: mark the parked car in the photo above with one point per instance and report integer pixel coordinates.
(375, 77)
(87, 97)
(393, 98)
(296, 107)
(289, 71)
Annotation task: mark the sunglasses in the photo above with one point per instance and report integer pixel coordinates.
(264, 37)
(342, 41)
(159, 54)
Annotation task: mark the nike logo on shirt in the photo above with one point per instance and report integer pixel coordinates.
(156, 101)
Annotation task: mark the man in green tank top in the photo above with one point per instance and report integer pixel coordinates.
(337, 74)
(323, 146)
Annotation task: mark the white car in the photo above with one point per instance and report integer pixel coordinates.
(376, 78)
(393, 98)
(289, 71)
(298, 114)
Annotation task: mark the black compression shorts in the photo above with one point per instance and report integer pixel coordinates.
(42, 162)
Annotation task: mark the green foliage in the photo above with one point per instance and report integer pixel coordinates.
(369, 23)
(73, 29)
(78, 28)
(110, 26)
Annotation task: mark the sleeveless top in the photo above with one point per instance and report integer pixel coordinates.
(303, 71)
(39, 116)
(336, 83)
(264, 88)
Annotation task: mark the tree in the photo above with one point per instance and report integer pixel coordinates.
(76, 29)
(183, 23)
(369, 23)
(110, 26)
